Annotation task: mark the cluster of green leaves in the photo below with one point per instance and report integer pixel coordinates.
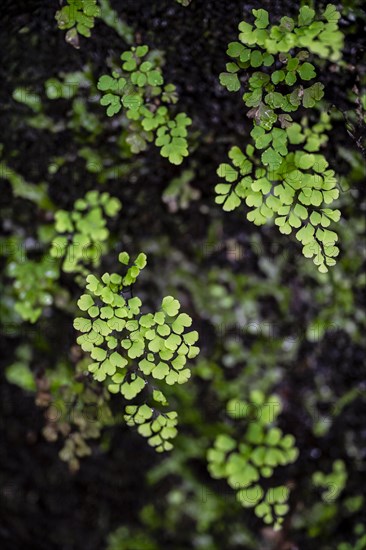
(83, 232)
(321, 37)
(78, 17)
(80, 242)
(290, 181)
(131, 350)
(264, 447)
(82, 413)
(75, 409)
(258, 47)
(139, 88)
(159, 428)
(35, 279)
(184, 3)
(34, 284)
(57, 89)
(296, 190)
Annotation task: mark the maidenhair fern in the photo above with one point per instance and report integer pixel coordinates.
(74, 244)
(283, 176)
(248, 463)
(35, 283)
(132, 351)
(139, 88)
(76, 411)
(77, 17)
(83, 232)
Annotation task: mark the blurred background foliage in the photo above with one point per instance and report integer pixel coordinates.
(268, 320)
